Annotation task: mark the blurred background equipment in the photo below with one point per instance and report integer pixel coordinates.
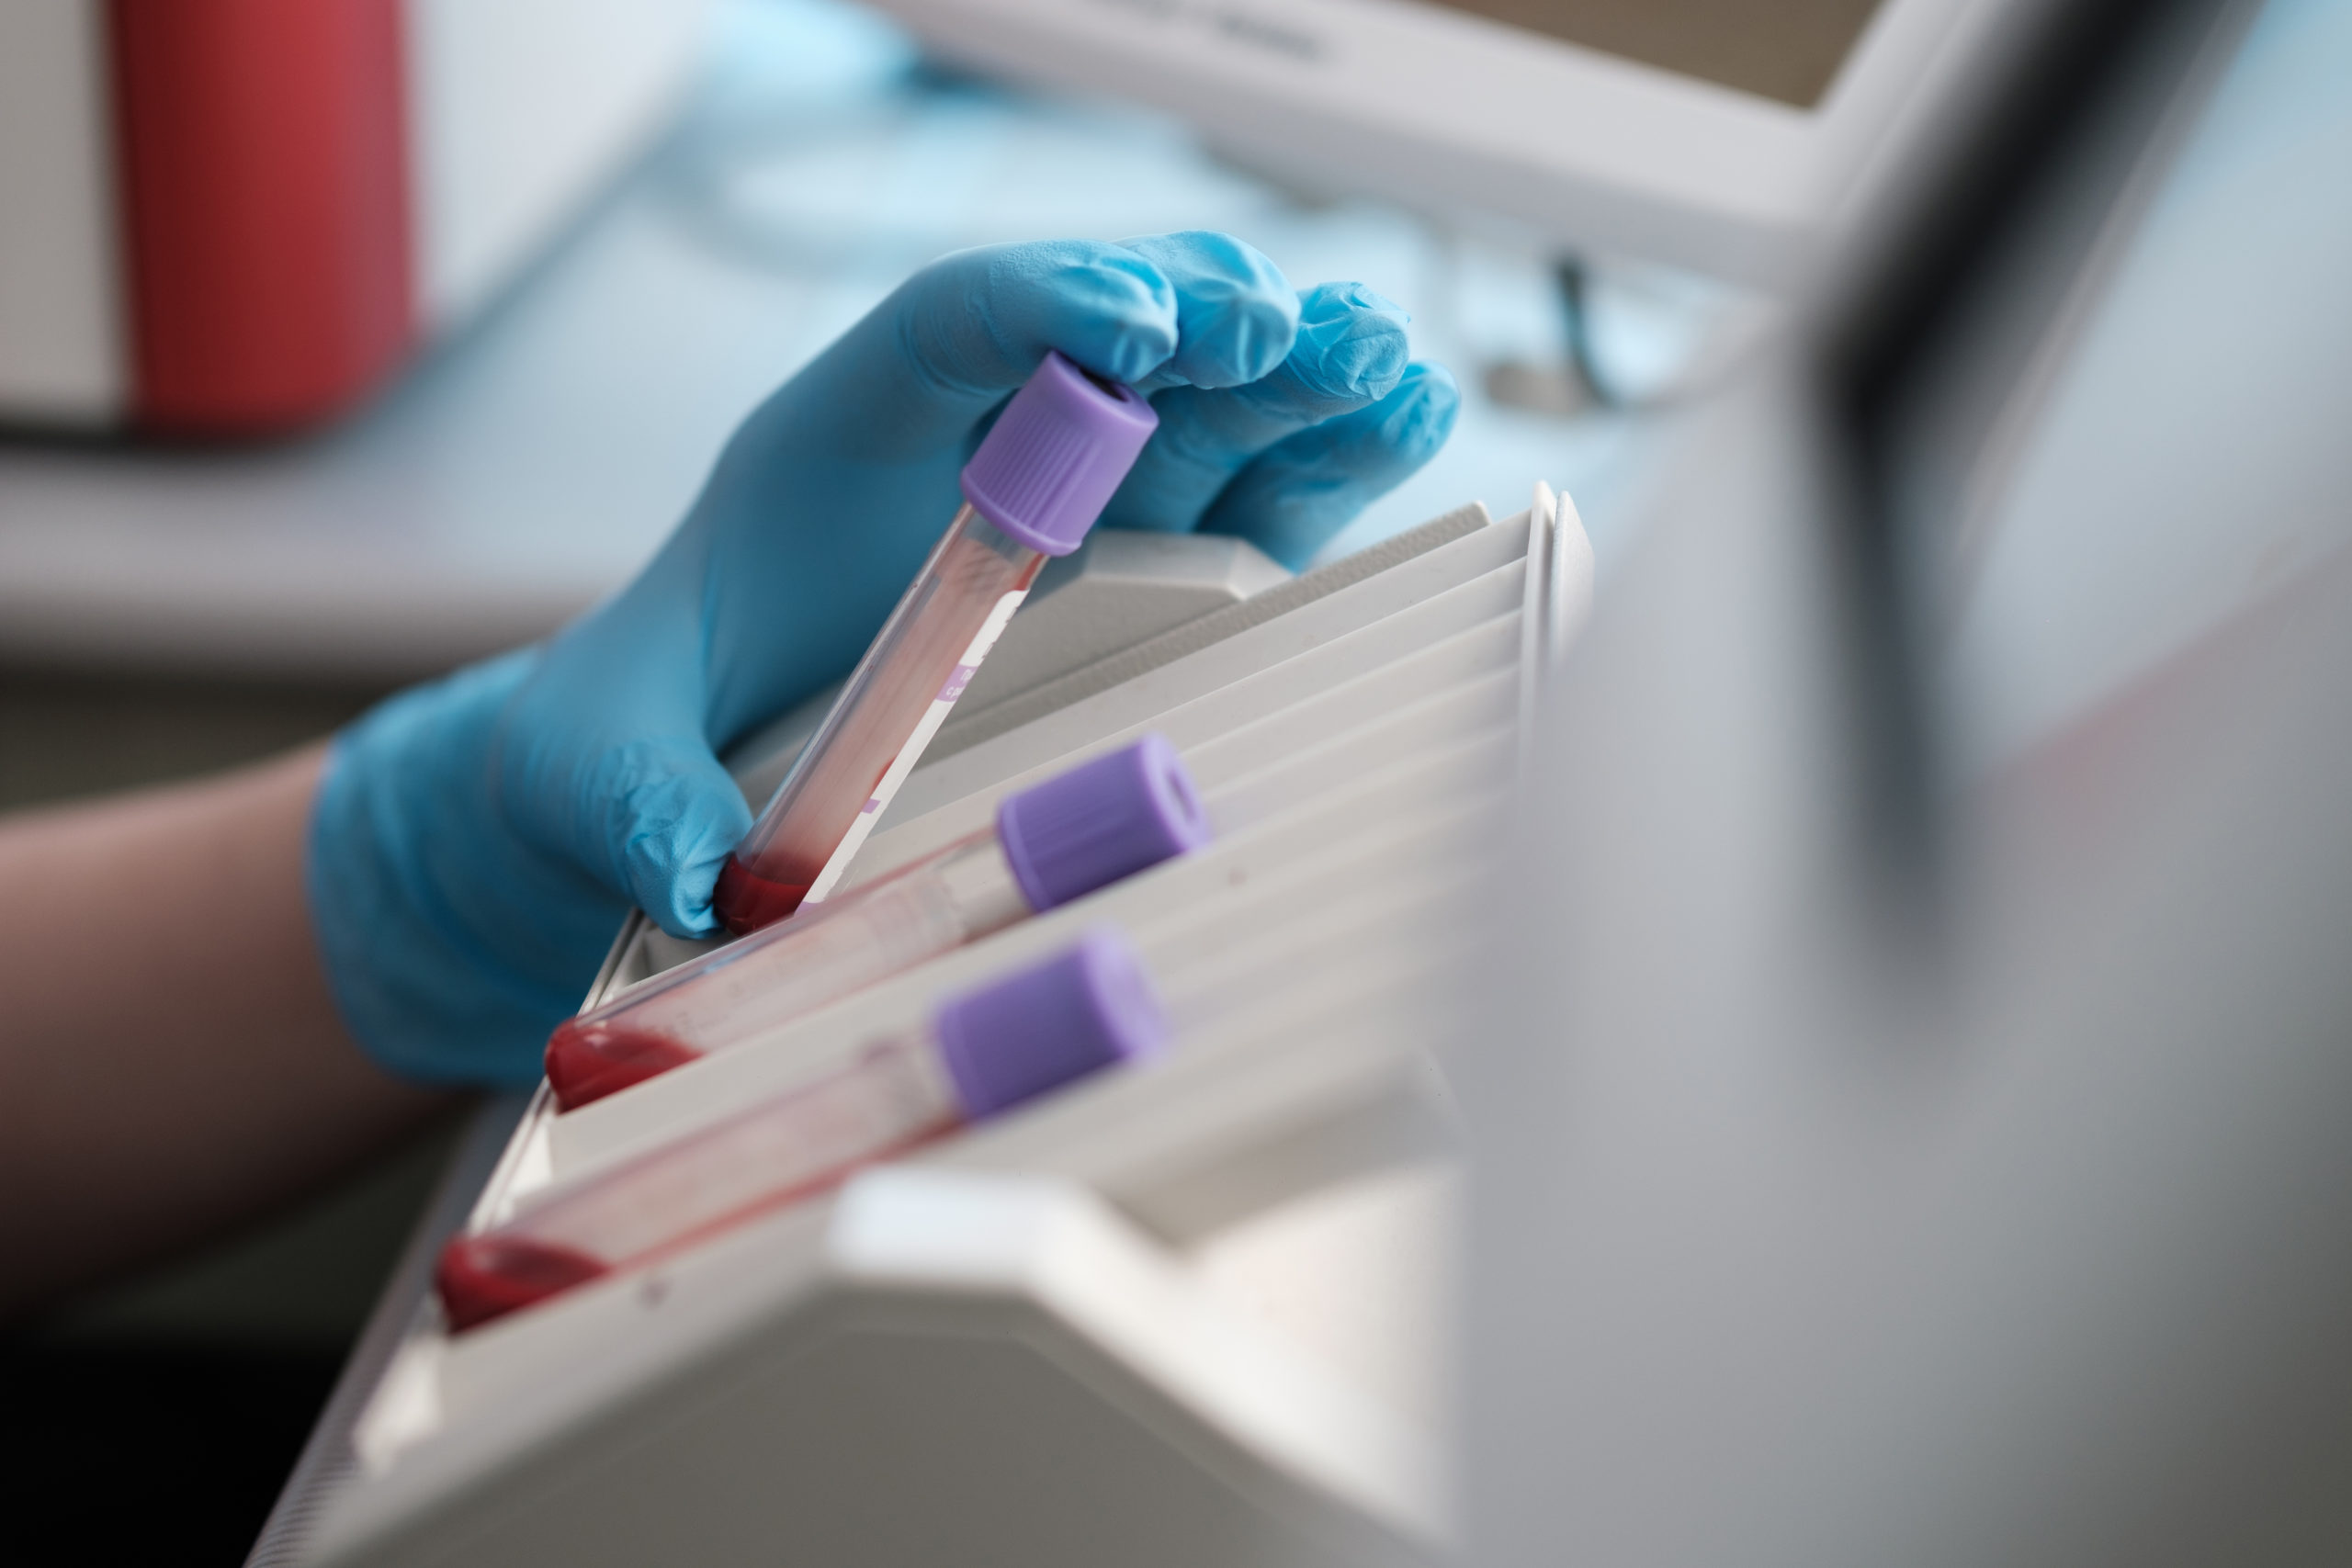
(1910, 1120)
(239, 217)
(1717, 135)
(529, 465)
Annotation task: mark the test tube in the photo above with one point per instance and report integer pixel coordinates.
(986, 1052)
(1033, 489)
(1083, 829)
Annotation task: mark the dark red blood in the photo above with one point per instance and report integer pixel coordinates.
(587, 1061)
(483, 1276)
(746, 900)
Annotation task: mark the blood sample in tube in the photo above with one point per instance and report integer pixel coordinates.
(985, 1051)
(1054, 841)
(1035, 485)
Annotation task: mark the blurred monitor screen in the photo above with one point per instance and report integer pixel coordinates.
(1730, 136)
(1788, 51)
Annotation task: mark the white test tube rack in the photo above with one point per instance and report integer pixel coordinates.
(1176, 1315)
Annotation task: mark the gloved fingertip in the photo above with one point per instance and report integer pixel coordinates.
(977, 322)
(673, 875)
(1236, 311)
(1420, 413)
(1435, 380)
(1351, 343)
(1131, 355)
(674, 821)
(1126, 316)
(675, 885)
(1298, 495)
(687, 912)
(1336, 302)
(1242, 342)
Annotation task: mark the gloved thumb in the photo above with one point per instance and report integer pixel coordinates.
(657, 818)
(676, 816)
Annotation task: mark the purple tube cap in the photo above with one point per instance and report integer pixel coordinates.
(1081, 1011)
(1111, 817)
(1055, 456)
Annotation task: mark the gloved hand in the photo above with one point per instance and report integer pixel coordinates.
(475, 842)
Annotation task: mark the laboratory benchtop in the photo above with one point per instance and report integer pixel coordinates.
(529, 465)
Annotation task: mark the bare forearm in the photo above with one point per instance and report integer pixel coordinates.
(170, 1059)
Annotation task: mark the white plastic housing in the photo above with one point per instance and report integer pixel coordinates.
(1088, 1331)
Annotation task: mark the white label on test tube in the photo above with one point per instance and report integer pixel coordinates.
(912, 752)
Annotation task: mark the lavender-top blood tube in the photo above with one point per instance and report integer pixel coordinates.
(1033, 489)
(986, 1052)
(1104, 819)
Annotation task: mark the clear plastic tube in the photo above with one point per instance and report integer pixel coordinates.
(1033, 489)
(894, 1098)
(1084, 828)
(776, 975)
(985, 1051)
(896, 700)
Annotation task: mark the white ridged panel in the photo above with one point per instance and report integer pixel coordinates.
(1461, 635)
(1398, 591)
(1355, 751)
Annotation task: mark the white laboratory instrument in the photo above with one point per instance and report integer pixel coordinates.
(1897, 1146)
(1180, 1315)
(1717, 135)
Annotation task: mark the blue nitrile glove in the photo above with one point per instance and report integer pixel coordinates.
(476, 842)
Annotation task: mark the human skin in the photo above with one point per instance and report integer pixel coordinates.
(171, 1063)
